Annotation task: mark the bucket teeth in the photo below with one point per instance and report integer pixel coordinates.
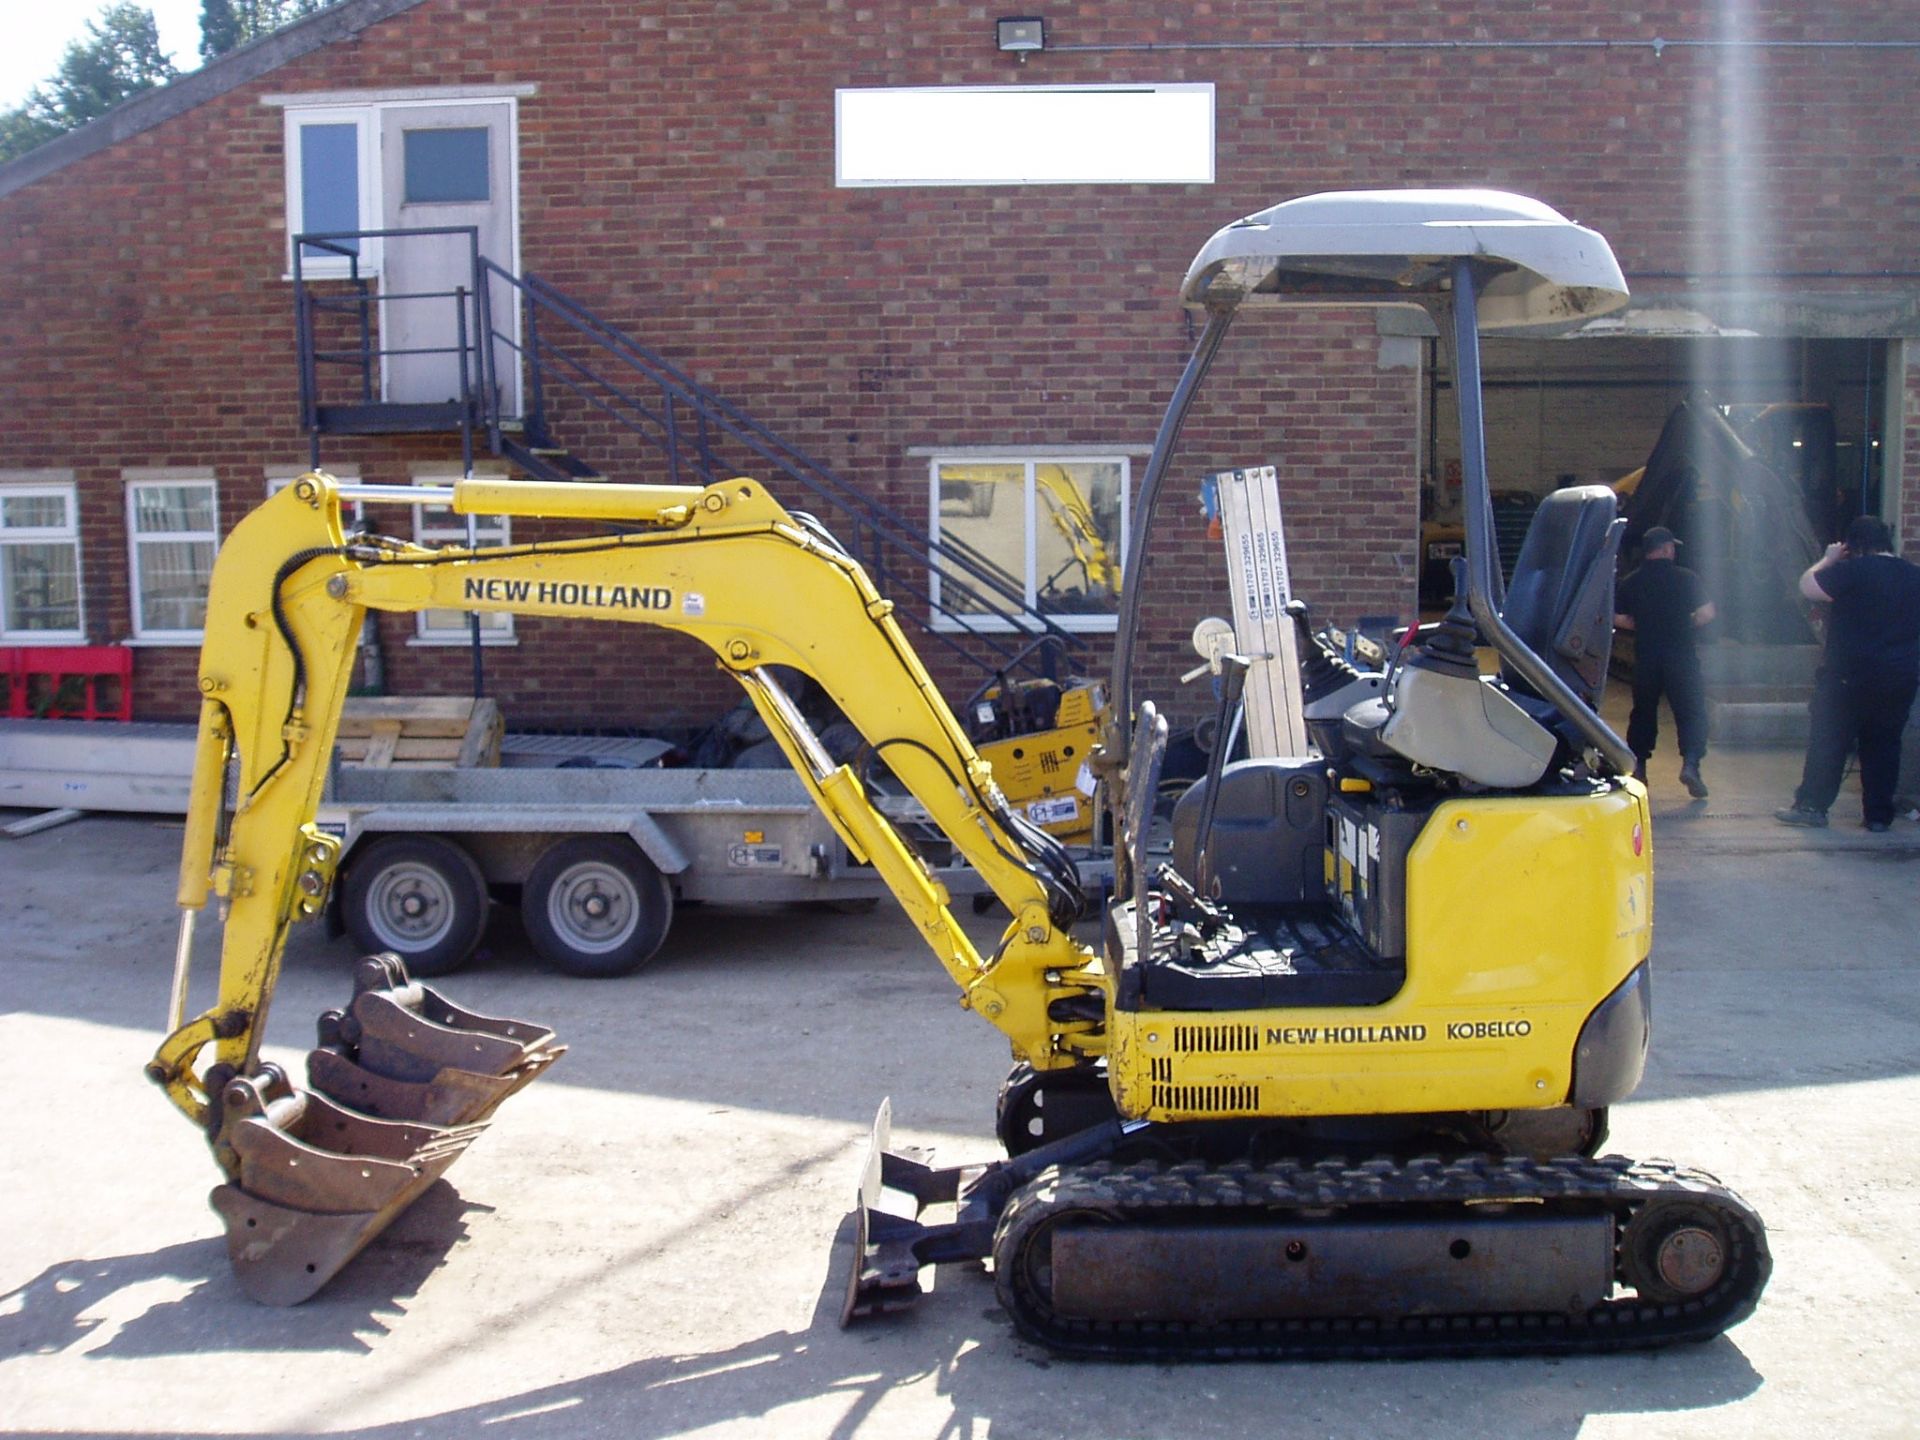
(402, 1083)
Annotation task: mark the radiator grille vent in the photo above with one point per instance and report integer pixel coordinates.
(1207, 1099)
(1216, 1039)
(1160, 1071)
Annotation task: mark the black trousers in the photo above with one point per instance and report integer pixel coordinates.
(1674, 673)
(1847, 711)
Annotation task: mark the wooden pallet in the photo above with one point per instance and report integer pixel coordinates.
(420, 733)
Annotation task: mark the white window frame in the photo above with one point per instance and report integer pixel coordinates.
(1033, 620)
(365, 120)
(142, 635)
(437, 627)
(32, 485)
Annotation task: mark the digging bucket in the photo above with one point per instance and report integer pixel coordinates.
(402, 1082)
(403, 1051)
(315, 1182)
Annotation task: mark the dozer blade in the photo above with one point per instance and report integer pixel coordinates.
(405, 1052)
(315, 1182)
(909, 1214)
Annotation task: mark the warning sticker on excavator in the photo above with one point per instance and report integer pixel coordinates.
(1057, 811)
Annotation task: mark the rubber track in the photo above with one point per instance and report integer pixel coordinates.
(1152, 1192)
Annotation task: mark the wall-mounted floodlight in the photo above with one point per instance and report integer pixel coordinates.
(1021, 33)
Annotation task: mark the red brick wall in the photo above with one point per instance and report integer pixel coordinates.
(676, 175)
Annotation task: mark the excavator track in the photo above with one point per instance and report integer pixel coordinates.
(1180, 1262)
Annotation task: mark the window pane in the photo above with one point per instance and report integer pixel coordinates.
(34, 512)
(438, 525)
(439, 519)
(173, 508)
(454, 623)
(982, 527)
(444, 165)
(1077, 547)
(173, 583)
(330, 181)
(42, 587)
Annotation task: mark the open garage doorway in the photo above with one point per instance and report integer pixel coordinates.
(1763, 450)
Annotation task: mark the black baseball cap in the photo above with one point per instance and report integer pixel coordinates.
(1656, 537)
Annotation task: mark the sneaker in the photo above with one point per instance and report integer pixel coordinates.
(1690, 777)
(1879, 827)
(1794, 815)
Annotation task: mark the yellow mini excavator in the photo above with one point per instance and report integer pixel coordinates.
(1333, 1080)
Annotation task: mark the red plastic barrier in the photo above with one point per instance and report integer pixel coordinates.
(69, 682)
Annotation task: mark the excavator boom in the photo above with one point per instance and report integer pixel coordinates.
(315, 1173)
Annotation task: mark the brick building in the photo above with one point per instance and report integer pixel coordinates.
(678, 175)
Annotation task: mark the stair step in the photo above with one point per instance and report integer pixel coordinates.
(1733, 663)
(548, 461)
(380, 418)
(1758, 722)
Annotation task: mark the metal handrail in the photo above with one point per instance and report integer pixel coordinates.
(809, 473)
(468, 326)
(963, 575)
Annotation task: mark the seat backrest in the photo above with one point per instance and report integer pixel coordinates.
(1560, 599)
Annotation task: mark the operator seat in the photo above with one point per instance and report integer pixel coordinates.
(1560, 599)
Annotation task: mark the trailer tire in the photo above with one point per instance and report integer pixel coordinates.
(596, 907)
(419, 896)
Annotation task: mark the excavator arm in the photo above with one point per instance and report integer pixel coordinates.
(727, 565)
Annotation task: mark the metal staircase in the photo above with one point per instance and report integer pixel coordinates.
(575, 372)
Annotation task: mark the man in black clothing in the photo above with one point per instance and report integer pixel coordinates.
(1867, 678)
(1663, 603)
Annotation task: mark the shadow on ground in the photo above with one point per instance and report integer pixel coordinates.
(958, 1341)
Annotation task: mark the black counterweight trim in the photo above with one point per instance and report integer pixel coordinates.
(1611, 1053)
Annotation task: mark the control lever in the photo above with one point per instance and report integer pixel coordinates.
(1233, 682)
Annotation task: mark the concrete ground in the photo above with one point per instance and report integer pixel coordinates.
(640, 1246)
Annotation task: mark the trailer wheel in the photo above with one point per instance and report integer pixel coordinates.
(595, 906)
(419, 896)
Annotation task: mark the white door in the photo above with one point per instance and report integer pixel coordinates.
(445, 165)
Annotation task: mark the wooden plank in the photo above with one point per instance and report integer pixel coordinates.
(444, 749)
(1257, 577)
(485, 731)
(409, 707)
(45, 820)
(380, 749)
(443, 731)
(449, 729)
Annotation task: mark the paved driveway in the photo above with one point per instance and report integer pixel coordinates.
(640, 1245)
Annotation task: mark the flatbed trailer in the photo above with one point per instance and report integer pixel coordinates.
(594, 858)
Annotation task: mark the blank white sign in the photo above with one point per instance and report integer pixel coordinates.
(1025, 135)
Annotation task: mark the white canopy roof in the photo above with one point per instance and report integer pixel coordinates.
(1367, 243)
